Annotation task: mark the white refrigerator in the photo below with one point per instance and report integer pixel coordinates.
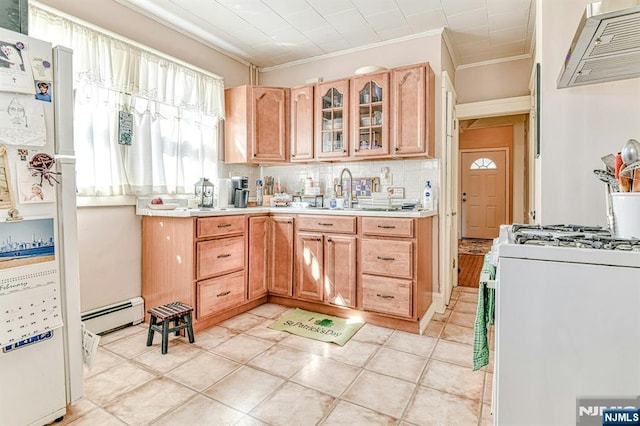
(41, 360)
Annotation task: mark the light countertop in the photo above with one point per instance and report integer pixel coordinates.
(185, 212)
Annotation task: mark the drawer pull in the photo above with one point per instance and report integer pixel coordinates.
(386, 258)
(226, 293)
(387, 226)
(385, 296)
(224, 225)
(325, 224)
(220, 256)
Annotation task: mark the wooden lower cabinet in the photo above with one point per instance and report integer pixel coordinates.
(326, 268)
(395, 265)
(340, 270)
(219, 294)
(387, 295)
(325, 265)
(197, 261)
(378, 268)
(258, 260)
(309, 270)
(281, 238)
(219, 256)
(387, 257)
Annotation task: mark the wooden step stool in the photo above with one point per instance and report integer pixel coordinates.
(161, 318)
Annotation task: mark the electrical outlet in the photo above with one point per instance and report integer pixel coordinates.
(388, 180)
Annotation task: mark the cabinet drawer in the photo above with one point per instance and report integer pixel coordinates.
(343, 224)
(391, 227)
(385, 257)
(221, 225)
(387, 295)
(221, 293)
(216, 257)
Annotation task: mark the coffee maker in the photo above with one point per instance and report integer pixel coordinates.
(239, 191)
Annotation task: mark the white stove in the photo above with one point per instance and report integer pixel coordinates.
(567, 321)
(568, 243)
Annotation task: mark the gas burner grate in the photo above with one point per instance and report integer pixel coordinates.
(579, 240)
(560, 228)
(546, 239)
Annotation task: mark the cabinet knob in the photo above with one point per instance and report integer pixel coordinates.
(293, 155)
(355, 149)
(397, 149)
(329, 240)
(318, 239)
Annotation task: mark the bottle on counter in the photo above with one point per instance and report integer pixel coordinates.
(333, 203)
(259, 192)
(427, 198)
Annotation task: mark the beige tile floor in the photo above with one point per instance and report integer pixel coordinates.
(242, 373)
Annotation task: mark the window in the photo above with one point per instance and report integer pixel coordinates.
(483, 163)
(175, 109)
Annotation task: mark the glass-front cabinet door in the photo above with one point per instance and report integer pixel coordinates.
(332, 119)
(370, 115)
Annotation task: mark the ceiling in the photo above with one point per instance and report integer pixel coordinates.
(270, 33)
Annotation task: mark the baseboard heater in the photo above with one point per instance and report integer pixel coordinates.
(113, 317)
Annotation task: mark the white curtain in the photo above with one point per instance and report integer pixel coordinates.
(176, 112)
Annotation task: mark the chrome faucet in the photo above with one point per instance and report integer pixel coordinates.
(350, 200)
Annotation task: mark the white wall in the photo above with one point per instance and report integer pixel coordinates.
(407, 52)
(578, 125)
(493, 81)
(112, 16)
(110, 255)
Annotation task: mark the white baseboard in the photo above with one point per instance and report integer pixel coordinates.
(106, 318)
(438, 303)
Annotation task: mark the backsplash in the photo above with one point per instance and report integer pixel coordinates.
(409, 174)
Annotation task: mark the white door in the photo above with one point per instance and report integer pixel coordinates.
(484, 192)
(449, 199)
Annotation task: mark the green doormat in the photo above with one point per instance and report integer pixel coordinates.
(318, 326)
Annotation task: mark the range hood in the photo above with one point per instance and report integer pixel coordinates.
(606, 46)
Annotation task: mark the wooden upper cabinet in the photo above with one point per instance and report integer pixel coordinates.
(256, 124)
(370, 115)
(332, 119)
(302, 123)
(413, 113)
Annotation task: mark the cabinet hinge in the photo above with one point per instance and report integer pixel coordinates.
(454, 264)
